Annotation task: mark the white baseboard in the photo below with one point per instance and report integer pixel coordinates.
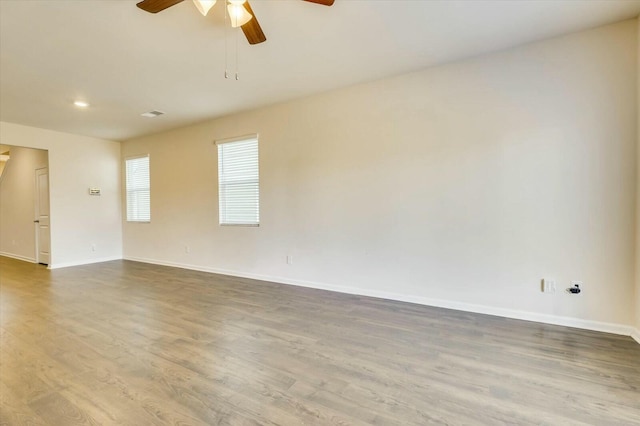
(606, 327)
(635, 334)
(83, 262)
(18, 257)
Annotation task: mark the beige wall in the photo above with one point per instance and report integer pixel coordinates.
(461, 185)
(17, 203)
(78, 220)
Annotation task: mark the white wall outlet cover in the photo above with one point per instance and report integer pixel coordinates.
(548, 286)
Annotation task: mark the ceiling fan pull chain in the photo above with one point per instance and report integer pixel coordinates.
(237, 71)
(226, 54)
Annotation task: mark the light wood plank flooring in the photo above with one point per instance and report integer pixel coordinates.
(125, 343)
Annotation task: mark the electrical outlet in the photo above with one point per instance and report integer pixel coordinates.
(289, 259)
(548, 286)
(187, 249)
(93, 247)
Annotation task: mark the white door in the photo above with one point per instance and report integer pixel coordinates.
(43, 242)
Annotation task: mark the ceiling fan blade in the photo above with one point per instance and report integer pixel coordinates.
(155, 6)
(322, 2)
(252, 29)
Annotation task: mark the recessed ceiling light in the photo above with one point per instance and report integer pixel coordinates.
(81, 104)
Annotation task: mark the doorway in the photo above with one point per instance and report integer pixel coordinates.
(25, 205)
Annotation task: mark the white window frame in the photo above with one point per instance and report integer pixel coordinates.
(224, 181)
(127, 190)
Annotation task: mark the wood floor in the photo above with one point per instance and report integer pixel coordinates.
(125, 343)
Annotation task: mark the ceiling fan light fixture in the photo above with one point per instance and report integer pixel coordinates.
(237, 13)
(204, 5)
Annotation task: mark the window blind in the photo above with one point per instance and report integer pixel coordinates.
(138, 189)
(238, 182)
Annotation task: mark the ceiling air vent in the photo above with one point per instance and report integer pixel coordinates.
(152, 114)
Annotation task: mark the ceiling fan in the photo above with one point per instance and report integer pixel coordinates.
(240, 13)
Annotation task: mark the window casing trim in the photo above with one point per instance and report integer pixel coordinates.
(236, 139)
(254, 137)
(126, 192)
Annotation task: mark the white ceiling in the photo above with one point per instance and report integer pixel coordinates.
(125, 61)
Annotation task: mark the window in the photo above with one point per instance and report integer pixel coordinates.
(138, 189)
(238, 181)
